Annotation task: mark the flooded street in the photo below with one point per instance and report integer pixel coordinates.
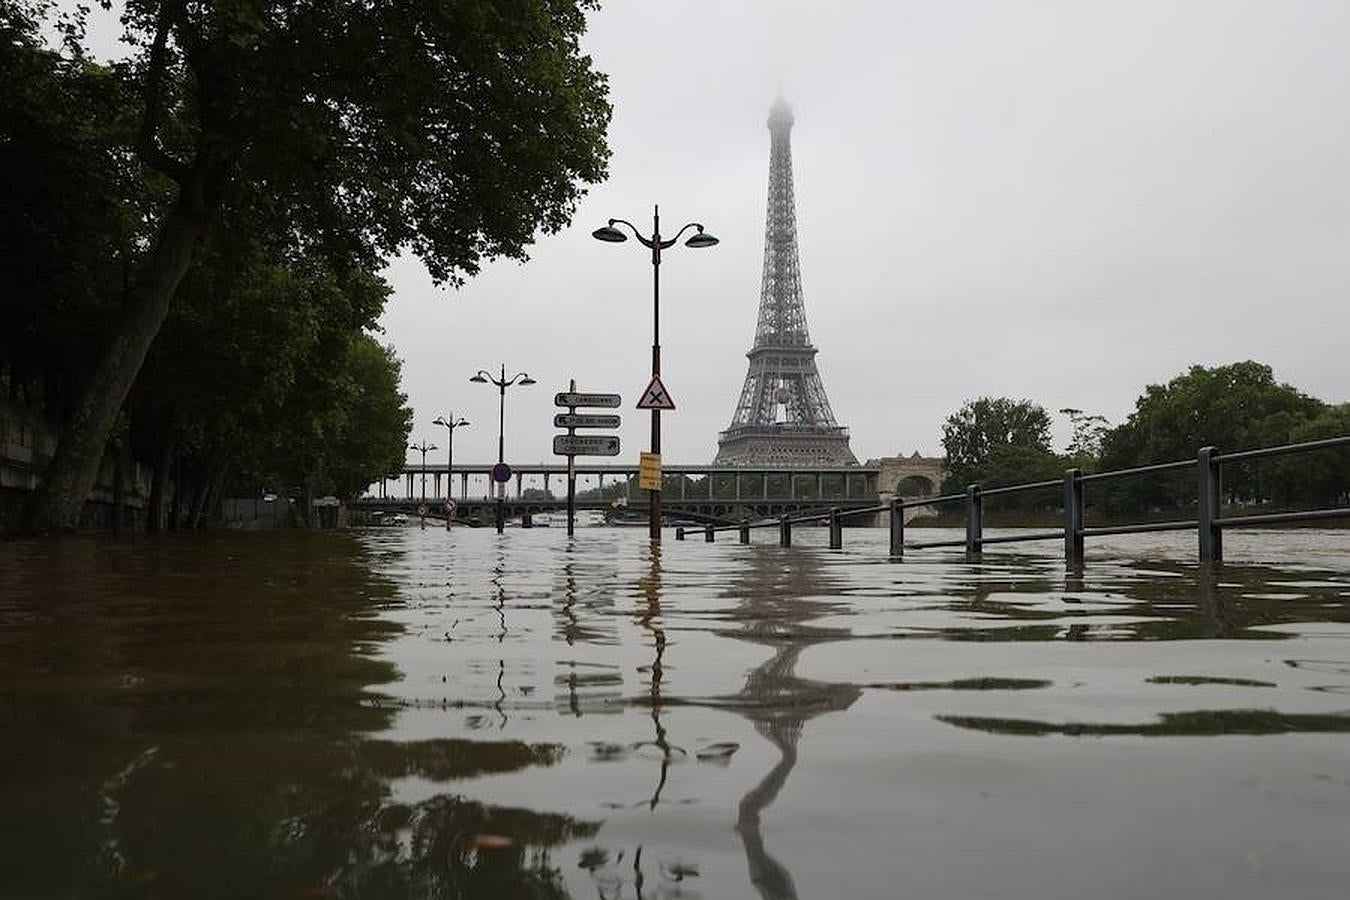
(405, 713)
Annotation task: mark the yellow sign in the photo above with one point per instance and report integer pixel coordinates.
(649, 472)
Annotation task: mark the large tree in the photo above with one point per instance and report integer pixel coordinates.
(1232, 407)
(979, 429)
(355, 130)
(996, 441)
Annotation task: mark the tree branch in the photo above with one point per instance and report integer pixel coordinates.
(147, 148)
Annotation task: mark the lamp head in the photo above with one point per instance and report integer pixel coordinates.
(526, 379)
(461, 423)
(440, 421)
(479, 379)
(609, 234)
(702, 239)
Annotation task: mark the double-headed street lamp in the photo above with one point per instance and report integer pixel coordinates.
(424, 447)
(450, 425)
(700, 238)
(502, 384)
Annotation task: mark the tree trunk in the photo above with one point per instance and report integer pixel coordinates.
(159, 487)
(210, 488)
(57, 503)
(119, 488)
(179, 488)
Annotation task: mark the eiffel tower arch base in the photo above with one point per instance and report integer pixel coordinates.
(785, 445)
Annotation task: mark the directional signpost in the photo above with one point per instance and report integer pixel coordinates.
(583, 420)
(573, 445)
(585, 445)
(572, 399)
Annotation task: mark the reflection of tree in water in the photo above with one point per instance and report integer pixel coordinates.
(779, 594)
(1029, 598)
(319, 817)
(209, 736)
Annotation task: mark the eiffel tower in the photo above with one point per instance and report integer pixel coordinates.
(783, 417)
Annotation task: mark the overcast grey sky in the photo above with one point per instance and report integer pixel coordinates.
(1063, 201)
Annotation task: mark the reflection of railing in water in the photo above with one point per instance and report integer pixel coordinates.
(1210, 524)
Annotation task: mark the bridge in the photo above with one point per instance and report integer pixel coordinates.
(700, 493)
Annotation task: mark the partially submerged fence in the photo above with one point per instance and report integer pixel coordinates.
(1209, 523)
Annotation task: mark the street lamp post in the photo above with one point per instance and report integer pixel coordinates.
(700, 238)
(450, 425)
(502, 384)
(424, 447)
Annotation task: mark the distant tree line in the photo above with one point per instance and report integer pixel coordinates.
(998, 441)
(193, 235)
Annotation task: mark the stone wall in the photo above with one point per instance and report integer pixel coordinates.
(27, 444)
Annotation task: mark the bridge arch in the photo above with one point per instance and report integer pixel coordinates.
(910, 476)
(916, 486)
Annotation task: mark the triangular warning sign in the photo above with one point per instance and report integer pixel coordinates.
(655, 396)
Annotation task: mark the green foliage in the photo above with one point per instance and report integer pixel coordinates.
(973, 433)
(998, 440)
(1320, 477)
(1085, 442)
(68, 229)
(345, 427)
(458, 130)
(1233, 407)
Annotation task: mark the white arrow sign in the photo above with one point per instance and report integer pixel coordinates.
(572, 398)
(585, 445)
(655, 396)
(585, 420)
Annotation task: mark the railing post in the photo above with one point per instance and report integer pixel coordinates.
(708, 533)
(745, 532)
(1211, 489)
(1073, 517)
(679, 534)
(784, 531)
(897, 527)
(974, 520)
(836, 530)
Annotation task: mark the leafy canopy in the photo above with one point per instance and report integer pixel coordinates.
(458, 130)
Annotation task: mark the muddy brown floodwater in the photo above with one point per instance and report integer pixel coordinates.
(401, 713)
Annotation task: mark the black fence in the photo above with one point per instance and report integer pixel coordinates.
(1209, 523)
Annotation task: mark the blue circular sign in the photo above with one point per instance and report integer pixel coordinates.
(501, 473)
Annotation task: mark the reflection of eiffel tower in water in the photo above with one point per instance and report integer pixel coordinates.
(783, 417)
(778, 605)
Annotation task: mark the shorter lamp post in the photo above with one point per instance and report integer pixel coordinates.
(502, 384)
(450, 425)
(423, 447)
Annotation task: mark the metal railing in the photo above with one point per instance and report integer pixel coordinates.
(1209, 523)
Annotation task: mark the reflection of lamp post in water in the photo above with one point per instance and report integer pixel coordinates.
(450, 425)
(650, 619)
(502, 384)
(700, 238)
(424, 447)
